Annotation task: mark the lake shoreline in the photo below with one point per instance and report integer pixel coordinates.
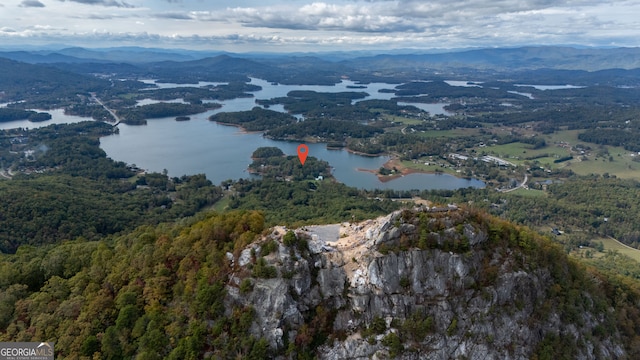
(402, 170)
(222, 151)
(311, 140)
(240, 128)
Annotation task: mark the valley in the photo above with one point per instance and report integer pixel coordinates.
(444, 211)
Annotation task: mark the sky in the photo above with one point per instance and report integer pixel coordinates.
(306, 25)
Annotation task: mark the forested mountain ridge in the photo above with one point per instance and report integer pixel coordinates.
(68, 188)
(543, 64)
(549, 57)
(17, 78)
(435, 282)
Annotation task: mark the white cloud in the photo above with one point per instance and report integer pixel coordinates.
(350, 24)
(321, 16)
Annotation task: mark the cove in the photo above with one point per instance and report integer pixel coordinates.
(57, 117)
(224, 152)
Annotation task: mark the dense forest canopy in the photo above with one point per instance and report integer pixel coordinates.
(82, 193)
(18, 114)
(257, 119)
(162, 292)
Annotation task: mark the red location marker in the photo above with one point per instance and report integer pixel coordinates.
(303, 151)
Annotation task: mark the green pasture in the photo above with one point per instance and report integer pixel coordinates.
(448, 133)
(403, 120)
(528, 193)
(620, 168)
(518, 153)
(568, 136)
(221, 205)
(433, 168)
(622, 165)
(612, 244)
(618, 161)
(129, 96)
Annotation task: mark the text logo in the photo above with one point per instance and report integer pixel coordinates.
(26, 351)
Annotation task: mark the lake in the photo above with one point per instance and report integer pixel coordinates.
(173, 85)
(431, 108)
(57, 117)
(529, 95)
(552, 87)
(224, 152)
(464, 83)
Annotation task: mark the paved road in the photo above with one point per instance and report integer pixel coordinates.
(524, 182)
(115, 117)
(5, 174)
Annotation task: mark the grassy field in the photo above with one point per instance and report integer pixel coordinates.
(129, 95)
(403, 120)
(518, 153)
(622, 165)
(449, 133)
(528, 193)
(568, 136)
(600, 160)
(432, 167)
(612, 244)
(221, 205)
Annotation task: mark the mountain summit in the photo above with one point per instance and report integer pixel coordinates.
(423, 283)
(429, 283)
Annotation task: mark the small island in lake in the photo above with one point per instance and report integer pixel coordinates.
(183, 118)
(271, 162)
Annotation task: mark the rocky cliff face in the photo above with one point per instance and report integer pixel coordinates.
(430, 283)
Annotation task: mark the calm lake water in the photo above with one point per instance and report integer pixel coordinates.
(432, 109)
(270, 91)
(529, 95)
(224, 152)
(57, 117)
(552, 87)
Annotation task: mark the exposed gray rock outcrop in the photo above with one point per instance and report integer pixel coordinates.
(453, 296)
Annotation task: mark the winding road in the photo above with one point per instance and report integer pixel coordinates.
(524, 182)
(5, 173)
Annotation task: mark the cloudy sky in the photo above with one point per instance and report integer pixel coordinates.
(307, 25)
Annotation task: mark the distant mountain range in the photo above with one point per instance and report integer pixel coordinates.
(528, 65)
(516, 59)
(522, 58)
(133, 55)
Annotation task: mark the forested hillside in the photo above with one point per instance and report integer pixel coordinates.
(41, 83)
(607, 206)
(68, 188)
(195, 290)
